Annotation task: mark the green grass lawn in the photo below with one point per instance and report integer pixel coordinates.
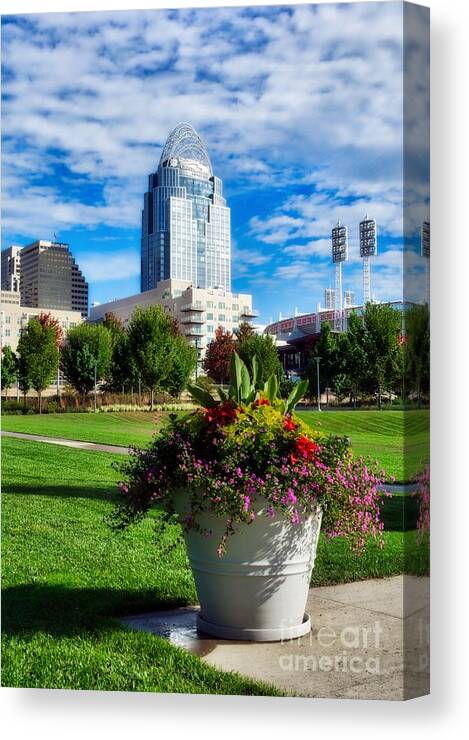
(66, 576)
(399, 440)
(114, 428)
(378, 434)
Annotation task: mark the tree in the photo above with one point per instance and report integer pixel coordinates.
(24, 382)
(37, 348)
(9, 367)
(263, 347)
(46, 319)
(164, 359)
(355, 360)
(86, 355)
(325, 349)
(416, 345)
(244, 331)
(218, 354)
(123, 371)
(382, 329)
(114, 324)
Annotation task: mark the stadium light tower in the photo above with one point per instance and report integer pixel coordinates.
(339, 255)
(368, 248)
(425, 252)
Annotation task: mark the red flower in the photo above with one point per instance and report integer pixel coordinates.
(306, 447)
(261, 402)
(220, 415)
(289, 424)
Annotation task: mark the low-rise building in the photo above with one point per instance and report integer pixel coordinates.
(14, 316)
(199, 311)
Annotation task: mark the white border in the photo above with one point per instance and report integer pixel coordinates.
(48, 714)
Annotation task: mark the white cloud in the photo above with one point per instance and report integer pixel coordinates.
(103, 267)
(269, 91)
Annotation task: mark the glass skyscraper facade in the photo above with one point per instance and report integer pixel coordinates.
(185, 219)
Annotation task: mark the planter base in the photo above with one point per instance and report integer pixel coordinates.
(254, 635)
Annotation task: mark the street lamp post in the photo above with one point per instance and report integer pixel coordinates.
(95, 383)
(318, 360)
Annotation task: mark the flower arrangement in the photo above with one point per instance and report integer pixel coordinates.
(247, 454)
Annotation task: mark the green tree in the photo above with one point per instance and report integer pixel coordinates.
(37, 348)
(123, 370)
(382, 329)
(243, 332)
(164, 359)
(263, 347)
(24, 381)
(417, 350)
(9, 367)
(86, 354)
(325, 348)
(355, 360)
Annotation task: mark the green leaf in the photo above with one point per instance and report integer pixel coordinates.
(251, 396)
(204, 398)
(296, 395)
(255, 371)
(271, 388)
(223, 396)
(245, 383)
(235, 372)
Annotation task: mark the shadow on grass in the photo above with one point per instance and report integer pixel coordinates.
(63, 611)
(80, 490)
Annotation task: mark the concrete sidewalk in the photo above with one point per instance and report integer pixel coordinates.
(78, 444)
(363, 635)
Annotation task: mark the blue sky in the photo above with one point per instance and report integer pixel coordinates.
(300, 108)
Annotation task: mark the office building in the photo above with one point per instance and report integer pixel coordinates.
(51, 278)
(185, 219)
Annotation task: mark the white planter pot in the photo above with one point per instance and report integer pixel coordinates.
(258, 590)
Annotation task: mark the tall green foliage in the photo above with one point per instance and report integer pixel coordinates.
(87, 351)
(163, 357)
(325, 348)
(39, 355)
(417, 350)
(261, 346)
(9, 368)
(382, 328)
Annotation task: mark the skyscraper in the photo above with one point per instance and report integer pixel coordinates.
(11, 268)
(185, 219)
(51, 278)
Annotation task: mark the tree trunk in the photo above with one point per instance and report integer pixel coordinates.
(379, 397)
(152, 395)
(327, 396)
(40, 401)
